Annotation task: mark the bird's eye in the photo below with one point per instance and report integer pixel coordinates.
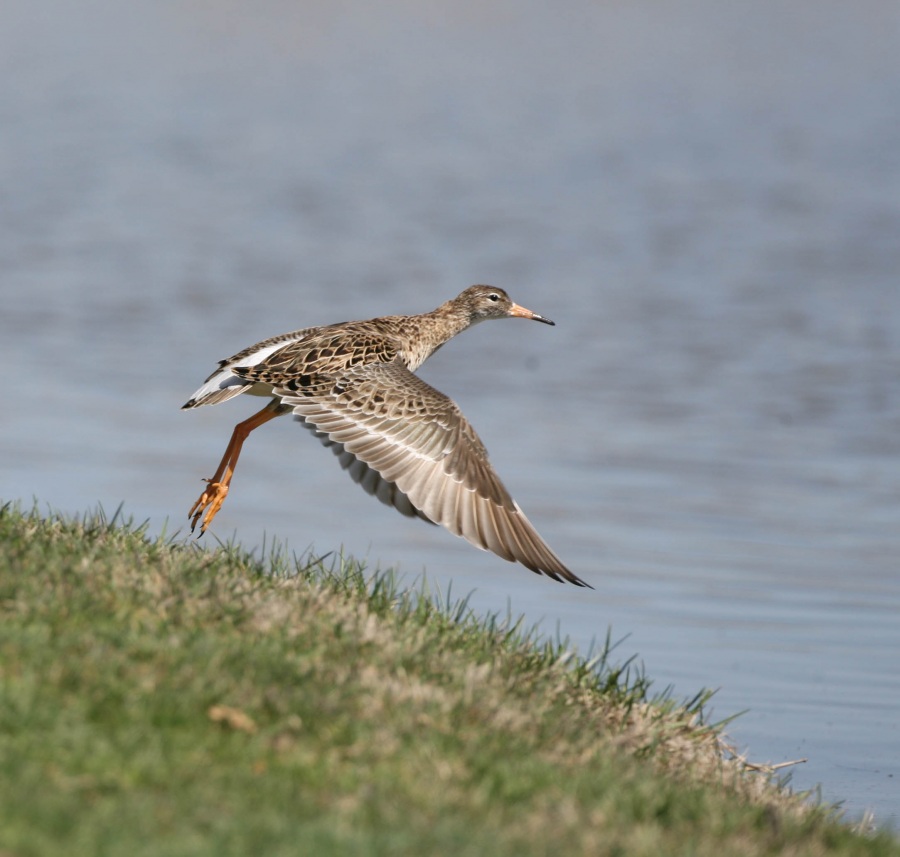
(493, 296)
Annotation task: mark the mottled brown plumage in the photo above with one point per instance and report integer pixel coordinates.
(352, 385)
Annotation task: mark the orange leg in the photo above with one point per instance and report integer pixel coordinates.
(216, 490)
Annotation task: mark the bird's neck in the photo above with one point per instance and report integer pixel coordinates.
(431, 330)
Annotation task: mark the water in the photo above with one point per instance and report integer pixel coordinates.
(705, 199)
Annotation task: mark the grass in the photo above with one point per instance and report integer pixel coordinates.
(158, 699)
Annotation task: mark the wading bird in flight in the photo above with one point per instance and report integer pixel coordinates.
(353, 385)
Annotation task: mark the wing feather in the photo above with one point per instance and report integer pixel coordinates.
(411, 447)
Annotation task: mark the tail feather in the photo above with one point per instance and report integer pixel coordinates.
(224, 384)
(221, 386)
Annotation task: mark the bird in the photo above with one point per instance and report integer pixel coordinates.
(353, 386)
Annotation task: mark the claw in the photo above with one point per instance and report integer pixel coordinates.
(210, 502)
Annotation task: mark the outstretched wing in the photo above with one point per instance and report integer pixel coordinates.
(365, 476)
(395, 434)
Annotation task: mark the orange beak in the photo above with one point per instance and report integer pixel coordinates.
(517, 311)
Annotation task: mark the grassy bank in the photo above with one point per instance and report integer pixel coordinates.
(159, 699)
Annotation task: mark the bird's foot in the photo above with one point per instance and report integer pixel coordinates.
(210, 502)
